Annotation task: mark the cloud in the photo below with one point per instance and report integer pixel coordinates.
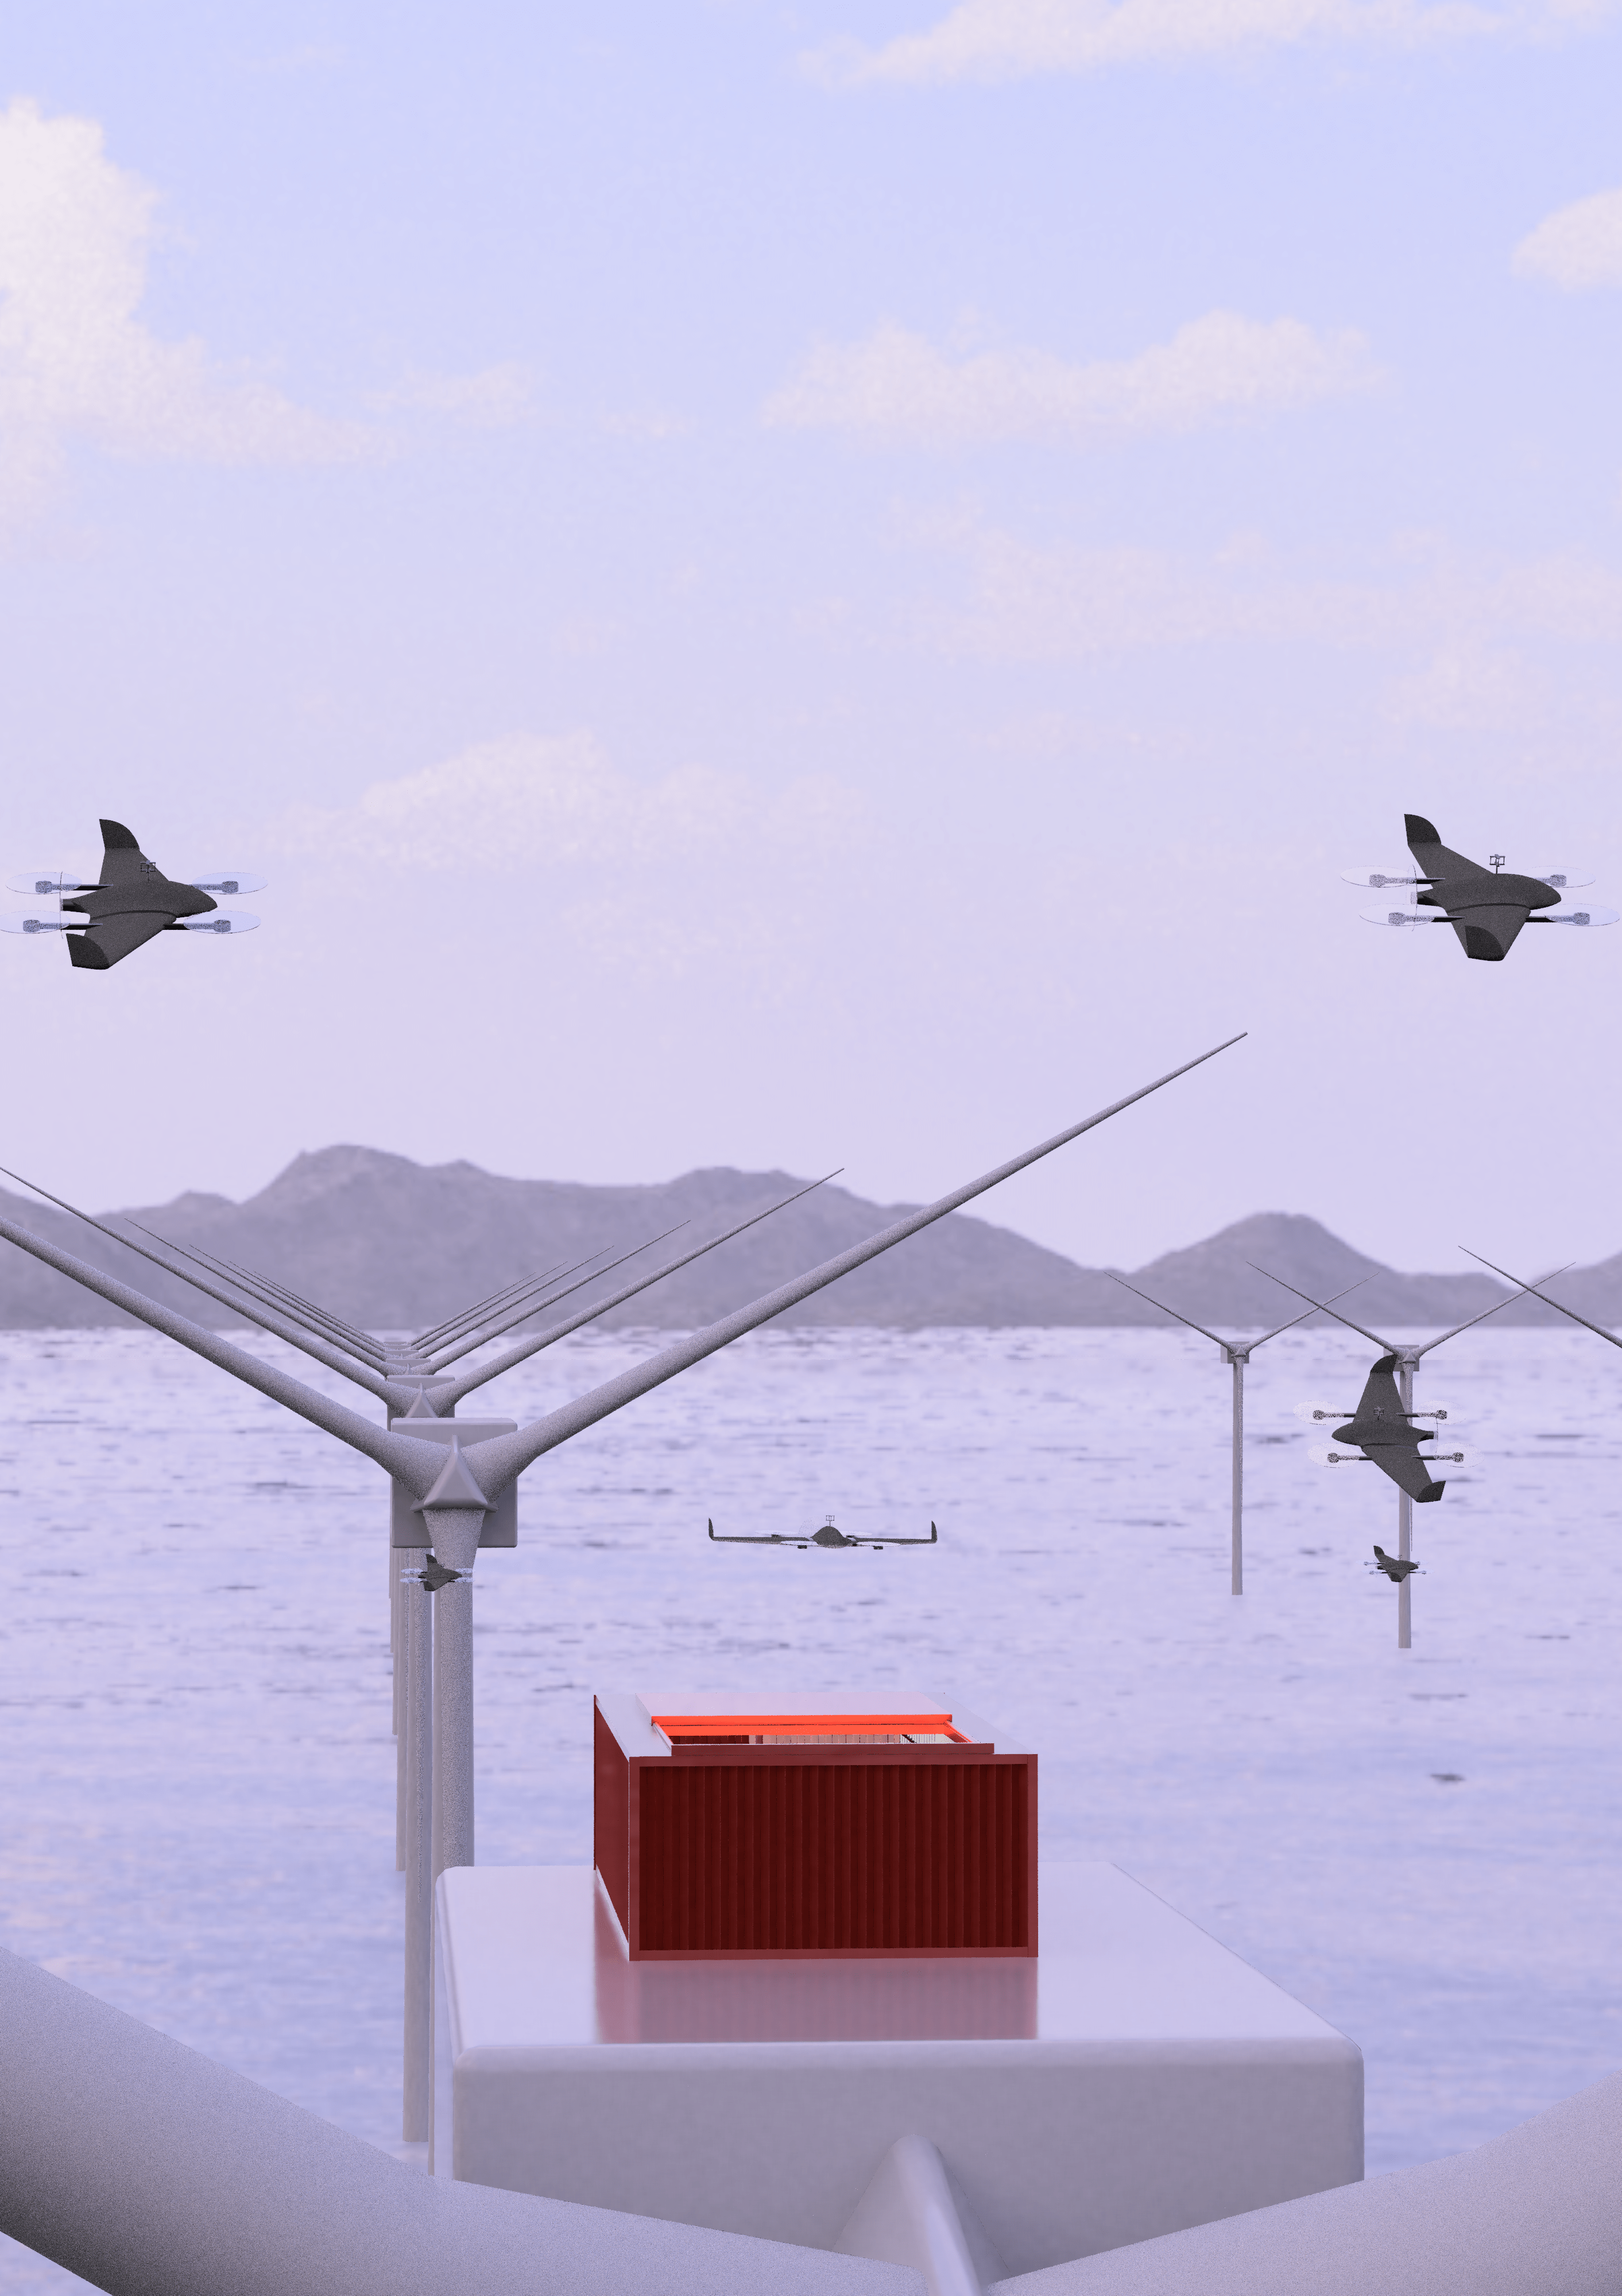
(1456, 641)
(1030, 604)
(652, 877)
(517, 804)
(1578, 246)
(75, 361)
(897, 386)
(490, 399)
(1010, 40)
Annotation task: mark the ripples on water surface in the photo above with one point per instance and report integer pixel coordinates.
(199, 1770)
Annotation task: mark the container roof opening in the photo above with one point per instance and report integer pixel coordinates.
(809, 1730)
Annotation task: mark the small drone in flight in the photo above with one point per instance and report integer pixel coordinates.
(1383, 1435)
(828, 1535)
(1396, 1568)
(132, 901)
(1485, 908)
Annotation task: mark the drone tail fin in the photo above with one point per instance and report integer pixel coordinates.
(1430, 1491)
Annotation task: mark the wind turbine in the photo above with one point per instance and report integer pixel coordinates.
(1236, 1352)
(1598, 1330)
(454, 1490)
(1408, 1359)
(413, 1388)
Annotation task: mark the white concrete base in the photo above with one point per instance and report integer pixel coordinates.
(1133, 2079)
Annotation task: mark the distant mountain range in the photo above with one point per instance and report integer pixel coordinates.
(390, 1245)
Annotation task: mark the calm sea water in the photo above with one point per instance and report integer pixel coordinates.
(1423, 1846)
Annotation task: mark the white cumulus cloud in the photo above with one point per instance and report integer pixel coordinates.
(555, 802)
(1008, 39)
(75, 358)
(489, 400)
(697, 866)
(899, 386)
(1029, 603)
(1578, 246)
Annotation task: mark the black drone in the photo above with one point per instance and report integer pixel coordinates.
(1385, 1435)
(1394, 1566)
(129, 905)
(828, 1535)
(1486, 907)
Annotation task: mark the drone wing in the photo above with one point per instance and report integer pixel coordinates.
(1473, 898)
(1380, 1399)
(1488, 932)
(743, 1539)
(123, 863)
(1407, 1471)
(931, 1541)
(108, 940)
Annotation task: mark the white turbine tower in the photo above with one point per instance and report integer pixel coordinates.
(1238, 1353)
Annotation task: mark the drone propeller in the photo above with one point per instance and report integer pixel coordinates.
(1585, 917)
(222, 921)
(47, 882)
(1321, 1456)
(1315, 1414)
(1402, 916)
(1562, 879)
(1380, 878)
(227, 880)
(33, 922)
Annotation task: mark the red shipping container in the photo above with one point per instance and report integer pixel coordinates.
(804, 1834)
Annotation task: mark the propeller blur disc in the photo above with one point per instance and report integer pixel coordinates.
(37, 920)
(222, 921)
(45, 884)
(227, 880)
(1399, 917)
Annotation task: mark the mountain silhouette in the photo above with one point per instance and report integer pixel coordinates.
(393, 1245)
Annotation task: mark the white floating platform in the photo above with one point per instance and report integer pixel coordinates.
(1134, 2078)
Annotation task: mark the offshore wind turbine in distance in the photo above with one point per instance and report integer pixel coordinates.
(1237, 1353)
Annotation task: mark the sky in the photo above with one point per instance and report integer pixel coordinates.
(823, 585)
